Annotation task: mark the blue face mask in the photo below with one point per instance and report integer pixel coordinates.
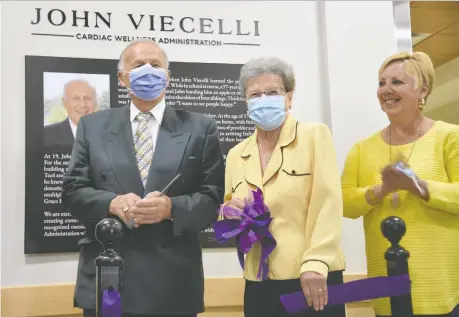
(268, 112)
(147, 82)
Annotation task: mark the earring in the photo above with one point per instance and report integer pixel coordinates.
(422, 104)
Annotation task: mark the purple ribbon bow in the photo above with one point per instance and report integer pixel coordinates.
(252, 227)
(111, 303)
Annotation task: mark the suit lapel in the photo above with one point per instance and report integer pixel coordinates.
(119, 145)
(170, 148)
(274, 164)
(251, 154)
(287, 136)
(252, 170)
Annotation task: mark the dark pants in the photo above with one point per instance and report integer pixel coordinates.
(92, 313)
(262, 299)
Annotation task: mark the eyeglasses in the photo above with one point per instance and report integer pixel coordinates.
(256, 95)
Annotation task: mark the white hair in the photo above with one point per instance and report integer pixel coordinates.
(267, 65)
(131, 44)
(79, 80)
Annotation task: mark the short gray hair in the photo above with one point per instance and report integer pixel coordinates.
(267, 65)
(135, 42)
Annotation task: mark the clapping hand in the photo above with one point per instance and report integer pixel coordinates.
(394, 179)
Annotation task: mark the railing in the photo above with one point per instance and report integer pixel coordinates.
(396, 285)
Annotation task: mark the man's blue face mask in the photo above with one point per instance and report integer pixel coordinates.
(147, 82)
(268, 112)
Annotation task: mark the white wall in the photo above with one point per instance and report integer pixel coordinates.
(1, 209)
(300, 32)
(357, 45)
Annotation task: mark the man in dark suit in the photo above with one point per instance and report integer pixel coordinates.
(79, 99)
(122, 158)
(59, 133)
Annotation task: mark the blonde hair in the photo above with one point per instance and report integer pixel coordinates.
(417, 65)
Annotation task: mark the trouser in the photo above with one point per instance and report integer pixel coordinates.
(262, 299)
(92, 313)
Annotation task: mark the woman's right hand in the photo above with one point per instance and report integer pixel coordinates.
(389, 184)
(234, 203)
(390, 180)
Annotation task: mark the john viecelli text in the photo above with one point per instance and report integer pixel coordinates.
(150, 22)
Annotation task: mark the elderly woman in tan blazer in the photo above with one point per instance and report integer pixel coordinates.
(294, 165)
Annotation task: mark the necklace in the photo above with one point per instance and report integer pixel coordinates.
(395, 197)
(268, 155)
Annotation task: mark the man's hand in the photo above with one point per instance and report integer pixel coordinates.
(152, 209)
(120, 205)
(314, 287)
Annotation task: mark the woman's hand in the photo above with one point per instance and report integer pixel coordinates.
(315, 290)
(390, 179)
(238, 204)
(394, 179)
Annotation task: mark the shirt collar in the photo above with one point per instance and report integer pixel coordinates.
(287, 136)
(73, 127)
(157, 111)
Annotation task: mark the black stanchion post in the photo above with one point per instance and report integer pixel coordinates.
(109, 266)
(393, 229)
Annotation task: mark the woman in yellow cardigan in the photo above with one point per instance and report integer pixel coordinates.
(375, 189)
(294, 165)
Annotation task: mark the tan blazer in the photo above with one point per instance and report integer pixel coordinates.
(301, 187)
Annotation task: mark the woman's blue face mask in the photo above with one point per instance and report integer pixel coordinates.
(268, 112)
(147, 82)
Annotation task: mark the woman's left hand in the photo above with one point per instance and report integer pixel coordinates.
(314, 287)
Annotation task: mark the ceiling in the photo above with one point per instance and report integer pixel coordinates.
(435, 29)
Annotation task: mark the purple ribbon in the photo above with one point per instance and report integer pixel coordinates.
(111, 303)
(252, 227)
(355, 291)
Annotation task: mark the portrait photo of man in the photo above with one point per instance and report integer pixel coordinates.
(79, 96)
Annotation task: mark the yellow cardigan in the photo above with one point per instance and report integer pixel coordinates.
(432, 236)
(301, 187)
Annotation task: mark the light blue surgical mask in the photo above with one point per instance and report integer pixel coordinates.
(268, 112)
(147, 82)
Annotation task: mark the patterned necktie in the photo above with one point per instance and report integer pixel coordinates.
(143, 145)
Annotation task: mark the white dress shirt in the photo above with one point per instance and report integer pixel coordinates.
(73, 127)
(153, 124)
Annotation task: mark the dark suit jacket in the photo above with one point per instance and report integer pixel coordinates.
(163, 270)
(58, 133)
